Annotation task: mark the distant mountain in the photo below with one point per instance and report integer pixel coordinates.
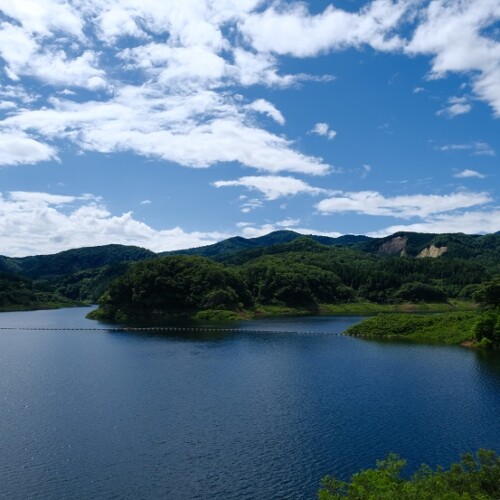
(222, 249)
(72, 261)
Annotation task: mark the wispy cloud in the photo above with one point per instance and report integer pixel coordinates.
(404, 206)
(272, 187)
(456, 106)
(467, 173)
(477, 148)
(251, 230)
(470, 222)
(263, 106)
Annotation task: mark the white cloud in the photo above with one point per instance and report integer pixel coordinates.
(44, 16)
(323, 129)
(178, 128)
(477, 148)
(467, 173)
(146, 202)
(172, 104)
(365, 170)
(250, 205)
(303, 35)
(456, 106)
(263, 106)
(474, 222)
(404, 206)
(250, 230)
(453, 33)
(17, 93)
(273, 187)
(7, 105)
(164, 73)
(18, 148)
(25, 56)
(41, 223)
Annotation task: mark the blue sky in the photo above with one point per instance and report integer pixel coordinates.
(169, 124)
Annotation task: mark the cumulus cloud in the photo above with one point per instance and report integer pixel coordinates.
(41, 223)
(404, 206)
(161, 73)
(168, 127)
(33, 223)
(272, 187)
(323, 129)
(467, 173)
(159, 77)
(25, 56)
(455, 34)
(303, 34)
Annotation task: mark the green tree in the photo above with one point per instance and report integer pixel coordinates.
(475, 477)
(416, 292)
(487, 326)
(488, 294)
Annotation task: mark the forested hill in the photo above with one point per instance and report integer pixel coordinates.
(286, 268)
(72, 261)
(299, 274)
(224, 248)
(450, 245)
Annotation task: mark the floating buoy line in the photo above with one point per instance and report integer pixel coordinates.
(179, 329)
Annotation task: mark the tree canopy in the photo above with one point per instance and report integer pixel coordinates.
(473, 477)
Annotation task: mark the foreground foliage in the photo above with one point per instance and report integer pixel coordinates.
(474, 477)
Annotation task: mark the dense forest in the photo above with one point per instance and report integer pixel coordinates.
(302, 273)
(280, 271)
(20, 293)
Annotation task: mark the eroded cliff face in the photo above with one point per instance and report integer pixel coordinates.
(396, 246)
(399, 244)
(432, 252)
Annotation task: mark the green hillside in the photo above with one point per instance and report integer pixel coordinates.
(72, 261)
(289, 270)
(222, 250)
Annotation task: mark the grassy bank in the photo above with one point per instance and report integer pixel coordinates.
(370, 308)
(450, 328)
(363, 308)
(40, 306)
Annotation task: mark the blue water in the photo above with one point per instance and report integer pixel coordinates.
(227, 416)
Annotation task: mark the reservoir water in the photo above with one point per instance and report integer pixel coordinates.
(227, 415)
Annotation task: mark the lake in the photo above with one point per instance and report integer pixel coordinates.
(227, 415)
